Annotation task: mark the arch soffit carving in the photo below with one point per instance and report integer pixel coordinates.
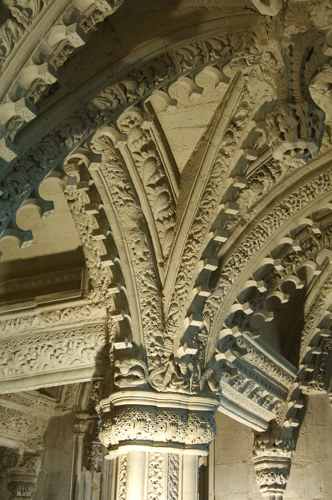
(62, 134)
(265, 231)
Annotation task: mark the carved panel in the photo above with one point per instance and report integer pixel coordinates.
(64, 349)
(156, 476)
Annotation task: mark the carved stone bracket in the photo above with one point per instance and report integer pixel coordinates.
(22, 479)
(272, 461)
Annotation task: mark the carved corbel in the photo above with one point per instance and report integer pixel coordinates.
(130, 373)
(22, 479)
(272, 462)
(295, 131)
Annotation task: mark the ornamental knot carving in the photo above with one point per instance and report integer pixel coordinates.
(154, 420)
(295, 132)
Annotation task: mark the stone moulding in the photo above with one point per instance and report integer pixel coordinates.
(35, 41)
(59, 357)
(156, 422)
(300, 199)
(163, 68)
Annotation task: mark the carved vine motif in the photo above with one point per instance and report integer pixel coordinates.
(259, 182)
(135, 231)
(43, 319)
(30, 401)
(152, 172)
(122, 477)
(67, 348)
(173, 476)
(156, 424)
(156, 476)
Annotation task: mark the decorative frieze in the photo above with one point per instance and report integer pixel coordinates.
(54, 356)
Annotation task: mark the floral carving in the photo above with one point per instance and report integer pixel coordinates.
(130, 215)
(159, 425)
(68, 348)
(147, 159)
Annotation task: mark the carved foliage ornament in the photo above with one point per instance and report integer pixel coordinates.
(272, 459)
(146, 417)
(157, 425)
(68, 348)
(295, 131)
(136, 85)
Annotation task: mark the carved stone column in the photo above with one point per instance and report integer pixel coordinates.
(155, 441)
(272, 461)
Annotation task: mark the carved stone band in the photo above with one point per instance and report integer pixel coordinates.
(157, 421)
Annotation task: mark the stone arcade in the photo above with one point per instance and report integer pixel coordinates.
(166, 232)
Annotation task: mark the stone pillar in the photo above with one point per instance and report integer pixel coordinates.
(155, 441)
(272, 461)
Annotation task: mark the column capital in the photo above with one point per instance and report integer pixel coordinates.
(157, 422)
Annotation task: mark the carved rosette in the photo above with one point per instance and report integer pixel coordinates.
(295, 131)
(272, 461)
(156, 422)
